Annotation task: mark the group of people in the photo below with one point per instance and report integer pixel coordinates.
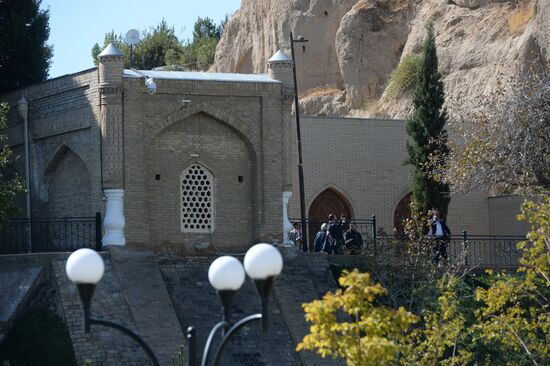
(333, 237)
(337, 237)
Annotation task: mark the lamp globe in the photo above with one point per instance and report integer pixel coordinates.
(85, 266)
(263, 261)
(226, 273)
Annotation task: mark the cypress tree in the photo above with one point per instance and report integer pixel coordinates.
(428, 138)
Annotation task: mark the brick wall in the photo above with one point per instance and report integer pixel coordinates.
(505, 222)
(64, 145)
(233, 129)
(362, 159)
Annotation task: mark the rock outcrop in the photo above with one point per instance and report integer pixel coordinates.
(355, 44)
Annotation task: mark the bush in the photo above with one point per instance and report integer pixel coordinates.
(403, 78)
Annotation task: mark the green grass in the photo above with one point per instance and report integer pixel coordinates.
(39, 338)
(403, 78)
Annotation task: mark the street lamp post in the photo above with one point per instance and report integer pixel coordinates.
(305, 243)
(263, 263)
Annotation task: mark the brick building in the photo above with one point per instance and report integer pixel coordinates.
(173, 159)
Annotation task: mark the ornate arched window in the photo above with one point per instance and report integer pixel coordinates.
(197, 200)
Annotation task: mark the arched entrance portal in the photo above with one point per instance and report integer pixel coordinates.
(402, 212)
(327, 202)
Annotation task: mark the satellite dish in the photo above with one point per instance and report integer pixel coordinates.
(132, 37)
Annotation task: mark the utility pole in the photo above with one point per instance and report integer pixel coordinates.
(305, 244)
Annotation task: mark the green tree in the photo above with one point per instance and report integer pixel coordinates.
(199, 53)
(157, 46)
(24, 54)
(10, 184)
(426, 128)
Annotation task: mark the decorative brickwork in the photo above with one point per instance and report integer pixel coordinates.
(197, 200)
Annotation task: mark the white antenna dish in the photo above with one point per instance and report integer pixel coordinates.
(132, 37)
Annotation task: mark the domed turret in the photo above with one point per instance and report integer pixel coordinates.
(111, 66)
(279, 67)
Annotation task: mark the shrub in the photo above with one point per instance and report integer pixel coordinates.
(403, 77)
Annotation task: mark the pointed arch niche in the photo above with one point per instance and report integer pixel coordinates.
(327, 202)
(402, 212)
(68, 185)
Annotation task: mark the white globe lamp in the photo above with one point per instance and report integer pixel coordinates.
(263, 261)
(226, 273)
(85, 266)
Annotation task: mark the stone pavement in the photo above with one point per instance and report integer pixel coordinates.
(102, 346)
(143, 286)
(305, 277)
(197, 304)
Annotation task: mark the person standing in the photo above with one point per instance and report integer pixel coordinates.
(353, 240)
(440, 233)
(295, 235)
(320, 238)
(336, 233)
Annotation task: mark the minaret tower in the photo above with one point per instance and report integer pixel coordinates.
(111, 67)
(279, 67)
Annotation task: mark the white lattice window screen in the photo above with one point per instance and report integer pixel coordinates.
(197, 200)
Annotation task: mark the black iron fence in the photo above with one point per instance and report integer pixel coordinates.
(466, 250)
(51, 235)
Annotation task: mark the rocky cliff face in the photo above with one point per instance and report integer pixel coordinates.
(355, 44)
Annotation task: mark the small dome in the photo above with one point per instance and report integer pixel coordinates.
(280, 56)
(110, 50)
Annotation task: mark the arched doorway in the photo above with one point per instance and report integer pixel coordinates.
(327, 202)
(401, 213)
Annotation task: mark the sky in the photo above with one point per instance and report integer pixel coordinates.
(76, 25)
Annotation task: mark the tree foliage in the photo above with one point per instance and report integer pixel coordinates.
(159, 46)
(348, 324)
(503, 141)
(10, 184)
(24, 54)
(516, 309)
(150, 52)
(496, 319)
(426, 128)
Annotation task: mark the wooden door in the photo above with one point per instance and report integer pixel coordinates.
(327, 202)
(402, 212)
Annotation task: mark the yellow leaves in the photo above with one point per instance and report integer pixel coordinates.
(348, 324)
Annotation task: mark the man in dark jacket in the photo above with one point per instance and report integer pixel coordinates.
(440, 233)
(336, 233)
(320, 238)
(354, 240)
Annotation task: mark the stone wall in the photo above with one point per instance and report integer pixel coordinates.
(64, 145)
(505, 223)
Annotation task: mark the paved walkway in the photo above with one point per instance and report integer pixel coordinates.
(305, 278)
(143, 286)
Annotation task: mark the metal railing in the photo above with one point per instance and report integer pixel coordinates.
(51, 235)
(465, 250)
